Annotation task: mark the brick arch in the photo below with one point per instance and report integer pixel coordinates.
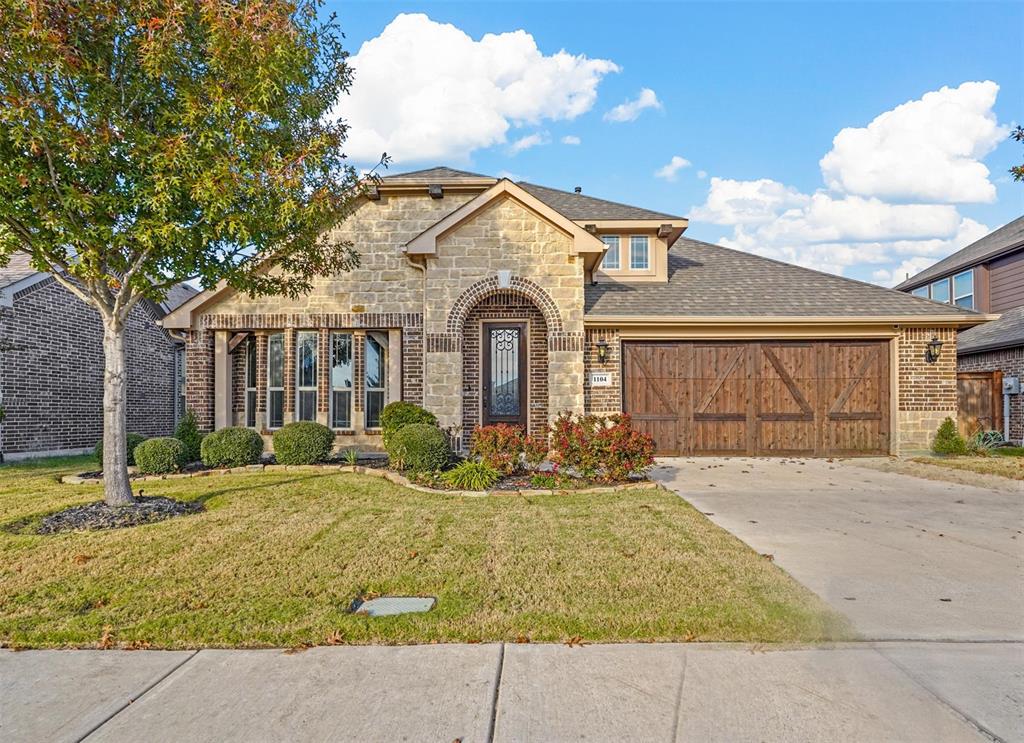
(488, 287)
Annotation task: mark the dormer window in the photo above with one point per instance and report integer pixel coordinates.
(639, 253)
(611, 256)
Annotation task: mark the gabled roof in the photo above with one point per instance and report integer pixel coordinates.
(1005, 332)
(1006, 238)
(579, 207)
(17, 268)
(439, 173)
(712, 281)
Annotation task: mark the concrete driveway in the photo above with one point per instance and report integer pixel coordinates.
(903, 557)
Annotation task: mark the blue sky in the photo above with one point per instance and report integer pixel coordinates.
(751, 95)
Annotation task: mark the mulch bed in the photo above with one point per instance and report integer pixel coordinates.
(98, 515)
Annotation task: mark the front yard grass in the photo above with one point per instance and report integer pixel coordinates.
(276, 560)
(1004, 465)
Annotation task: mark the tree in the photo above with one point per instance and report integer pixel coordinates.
(149, 142)
(1017, 171)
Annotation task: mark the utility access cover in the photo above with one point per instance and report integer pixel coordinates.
(387, 606)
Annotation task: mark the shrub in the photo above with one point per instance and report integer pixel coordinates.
(418, 447)
(948, 441)
(302, 442)
(605, 448)
(470, 475)
(187, 432)
(535, 451)
(231, 447)
(498, 446)
(160, 455)
(395, 415)
(134, 440)
(984, 442)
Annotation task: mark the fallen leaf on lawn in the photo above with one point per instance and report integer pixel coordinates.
(106, 639)
(768, 556)
(335, 638)
(522, 639)
(575, 642)
(300, 648)
(82, 559)
(137, 645)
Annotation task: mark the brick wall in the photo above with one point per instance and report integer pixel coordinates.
(1011, 362)
(603, 400)
(52, 383)
(505, 306)
(926, 392)
(199, 377)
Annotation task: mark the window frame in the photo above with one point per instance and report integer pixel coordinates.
(949, 290)
(647, 253)
(251, 382)
(926, 289)
(955, 298)
(300, 388)
(367, 389)
(350, 390)
(273, 389)
(605, 266)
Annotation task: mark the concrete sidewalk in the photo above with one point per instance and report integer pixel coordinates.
(859, 691)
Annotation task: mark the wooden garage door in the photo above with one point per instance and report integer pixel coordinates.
(809, 398)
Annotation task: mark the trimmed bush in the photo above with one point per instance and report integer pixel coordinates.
(187, 432)
(231, 447)
(398, 414)
(418, 447)
(606, 448)
(302, 442)
(134, 439)
(471, 475)
(948, 441)
(498, 446)
(160, 455)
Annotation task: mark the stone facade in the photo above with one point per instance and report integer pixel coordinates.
(926, 392)
(51, 381)
(1011, 362)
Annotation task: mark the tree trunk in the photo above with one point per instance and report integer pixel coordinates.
(117, 489)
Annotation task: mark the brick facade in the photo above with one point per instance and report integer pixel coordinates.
(603, 400)
(926, 393)
(51, 382)
(1011, 362)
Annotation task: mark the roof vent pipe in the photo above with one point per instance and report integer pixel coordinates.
(578, 189)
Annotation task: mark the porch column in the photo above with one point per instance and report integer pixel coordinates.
(221, 379)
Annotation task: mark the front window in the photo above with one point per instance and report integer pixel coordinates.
(963, 290)
(275, 380)
(341, 380)
(611, 256)
(639, 257)
(250, 383)
(305, 375)
(940, 291)
(376, 377)
(921, 291)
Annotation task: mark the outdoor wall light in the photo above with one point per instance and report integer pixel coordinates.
(602, 351)
(931, 354)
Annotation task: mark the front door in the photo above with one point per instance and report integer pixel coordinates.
(504, 373)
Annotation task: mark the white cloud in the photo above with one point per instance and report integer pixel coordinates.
(872, 211)
(428, 91)
(702, 174)
(530, 140)
(630, 110)
(670, 170)
(927, 150)
(570, 139)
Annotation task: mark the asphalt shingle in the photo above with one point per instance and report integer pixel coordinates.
(1006, 237)
(17, 268)
(577, 206)
(711, 281)
(1005, 332)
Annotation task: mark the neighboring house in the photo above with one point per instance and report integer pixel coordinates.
(51, 366)
(987, 275)
(490, 301)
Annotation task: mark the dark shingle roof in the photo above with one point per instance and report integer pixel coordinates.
(711, 281)
(439, 173)
(177, 295)
(17, 268)
(1008, 330)
(1008, 236)
(578, 207)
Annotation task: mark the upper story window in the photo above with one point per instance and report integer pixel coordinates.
(306, 373)
(963, 290)
(940, 291)
(611, 256)
(921, 291)
(639, 253)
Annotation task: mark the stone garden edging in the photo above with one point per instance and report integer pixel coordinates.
(383, 474)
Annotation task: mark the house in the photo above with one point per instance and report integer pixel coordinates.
(987, 275)
(491, 301)
(51, 366)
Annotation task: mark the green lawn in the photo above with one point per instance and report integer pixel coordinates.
(1006, 464)
(277, 558)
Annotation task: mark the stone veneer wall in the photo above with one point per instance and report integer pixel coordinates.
(1011, 362)
(51, 385)
(504, 236)
(505, 306)
(927, 392)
